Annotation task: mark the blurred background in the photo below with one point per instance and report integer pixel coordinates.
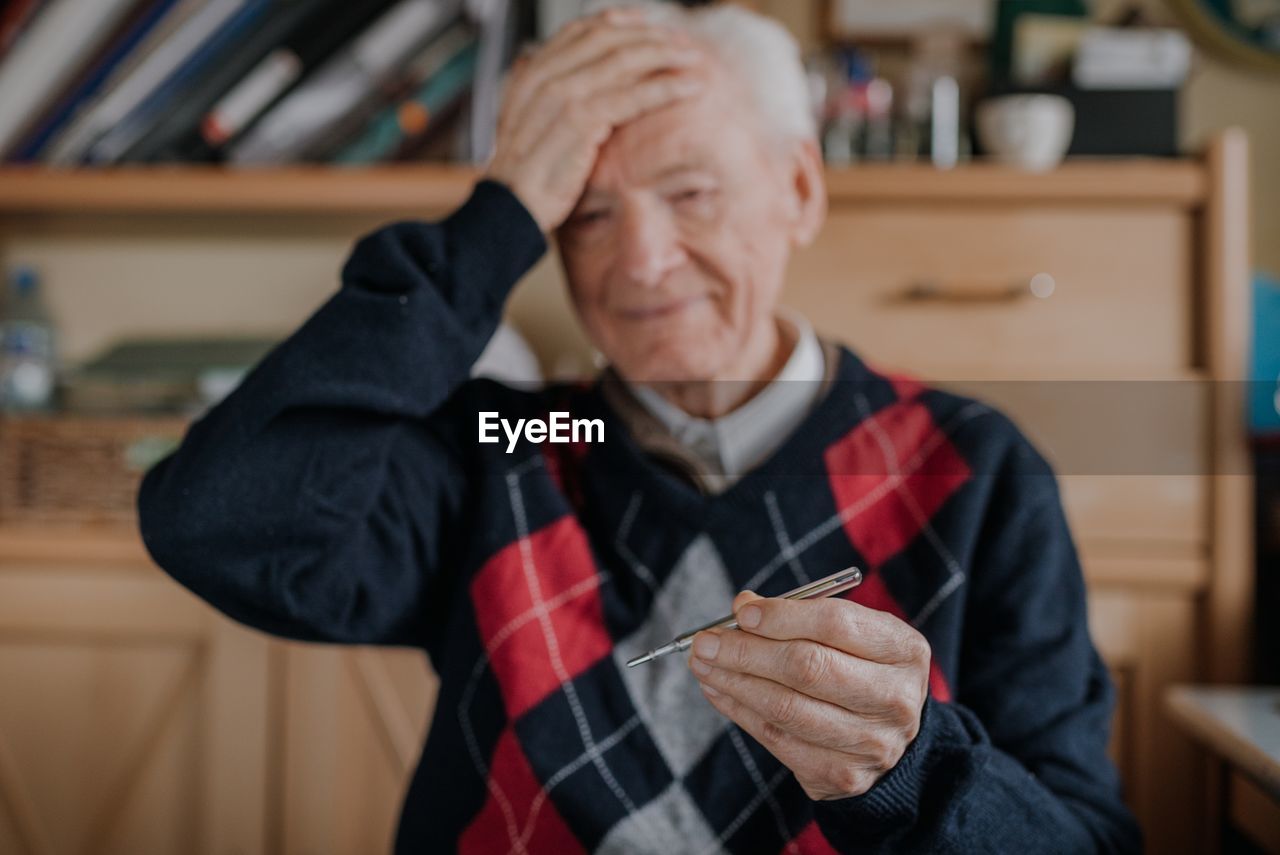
(1035, 201)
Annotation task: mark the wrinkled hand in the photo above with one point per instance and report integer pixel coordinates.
(831, 688)
(561, 105)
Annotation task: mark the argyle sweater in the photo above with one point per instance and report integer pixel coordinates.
(340, 495)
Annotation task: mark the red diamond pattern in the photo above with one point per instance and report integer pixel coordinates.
(521, 795)
(809, 842)
(526, 662)
(860, 474)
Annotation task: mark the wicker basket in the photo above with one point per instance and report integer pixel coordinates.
(78, 469)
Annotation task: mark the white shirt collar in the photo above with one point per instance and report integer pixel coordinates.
(737, 442)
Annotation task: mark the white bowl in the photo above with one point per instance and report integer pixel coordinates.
(1030, 132)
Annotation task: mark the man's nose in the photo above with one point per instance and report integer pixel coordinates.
(650, 247)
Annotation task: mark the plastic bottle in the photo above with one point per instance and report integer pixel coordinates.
(27, 355)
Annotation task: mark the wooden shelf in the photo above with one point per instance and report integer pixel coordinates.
(71, 544)
(213, 190)
(415, 189)
(1096, 182)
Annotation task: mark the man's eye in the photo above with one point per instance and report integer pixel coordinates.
(696, 199)
(586, 218)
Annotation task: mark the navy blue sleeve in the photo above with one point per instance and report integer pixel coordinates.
(313, 502)
(1018, 763)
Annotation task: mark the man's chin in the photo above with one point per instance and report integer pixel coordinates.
(668, 368)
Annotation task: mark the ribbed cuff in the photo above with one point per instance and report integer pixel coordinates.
(894, 800)
(494, 228)
(483, 247)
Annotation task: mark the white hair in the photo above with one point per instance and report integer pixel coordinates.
(756, 50)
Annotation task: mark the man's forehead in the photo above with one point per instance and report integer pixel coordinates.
(651, 168)
(681, 139)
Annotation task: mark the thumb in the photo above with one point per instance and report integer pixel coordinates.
(743, 598)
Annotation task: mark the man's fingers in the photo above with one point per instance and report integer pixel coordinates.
(814, 669)
(576, 29)
(558, 111)
(553, 64)
(567, 149)
(638, 61)
(555, 59)
(592, 121)
(586, 96)
(836, 622)
(743, 598)
(808, 718)
(596, 38)
(822, 772)
(628, 103)
(622, 68)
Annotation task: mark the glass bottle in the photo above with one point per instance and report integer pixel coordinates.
(27, 355)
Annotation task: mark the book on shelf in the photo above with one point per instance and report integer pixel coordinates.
(401, 123)
(183, 29)
(284, 28)
(91, 78)
(247, 82)
(408, 77)
(14, 18)
(47, 56)
(321, 35)
(498, 36)
(320, 103)
(112, 145)
(158, 375)
(445, 140)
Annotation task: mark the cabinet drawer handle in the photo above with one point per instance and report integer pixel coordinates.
(935, 291)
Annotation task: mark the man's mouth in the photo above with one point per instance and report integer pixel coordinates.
(660, 310)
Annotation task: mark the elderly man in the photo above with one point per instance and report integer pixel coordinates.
(953, 702)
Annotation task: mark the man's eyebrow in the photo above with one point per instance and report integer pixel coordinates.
(593, 194)
(682, 168)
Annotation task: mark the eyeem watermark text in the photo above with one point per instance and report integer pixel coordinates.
(558, 428)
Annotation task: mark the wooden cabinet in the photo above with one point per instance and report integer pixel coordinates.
(137, 720)
(132, 718)
(355, 725)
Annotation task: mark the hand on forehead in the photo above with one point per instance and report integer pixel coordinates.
(646, 141)
(607, 45)
(565, 99)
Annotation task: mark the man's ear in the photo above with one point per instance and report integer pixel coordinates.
(808, 191)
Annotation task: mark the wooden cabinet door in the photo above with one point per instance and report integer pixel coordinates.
(945, 290)
(132, 717)
(1147, 638)
(353, 722)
